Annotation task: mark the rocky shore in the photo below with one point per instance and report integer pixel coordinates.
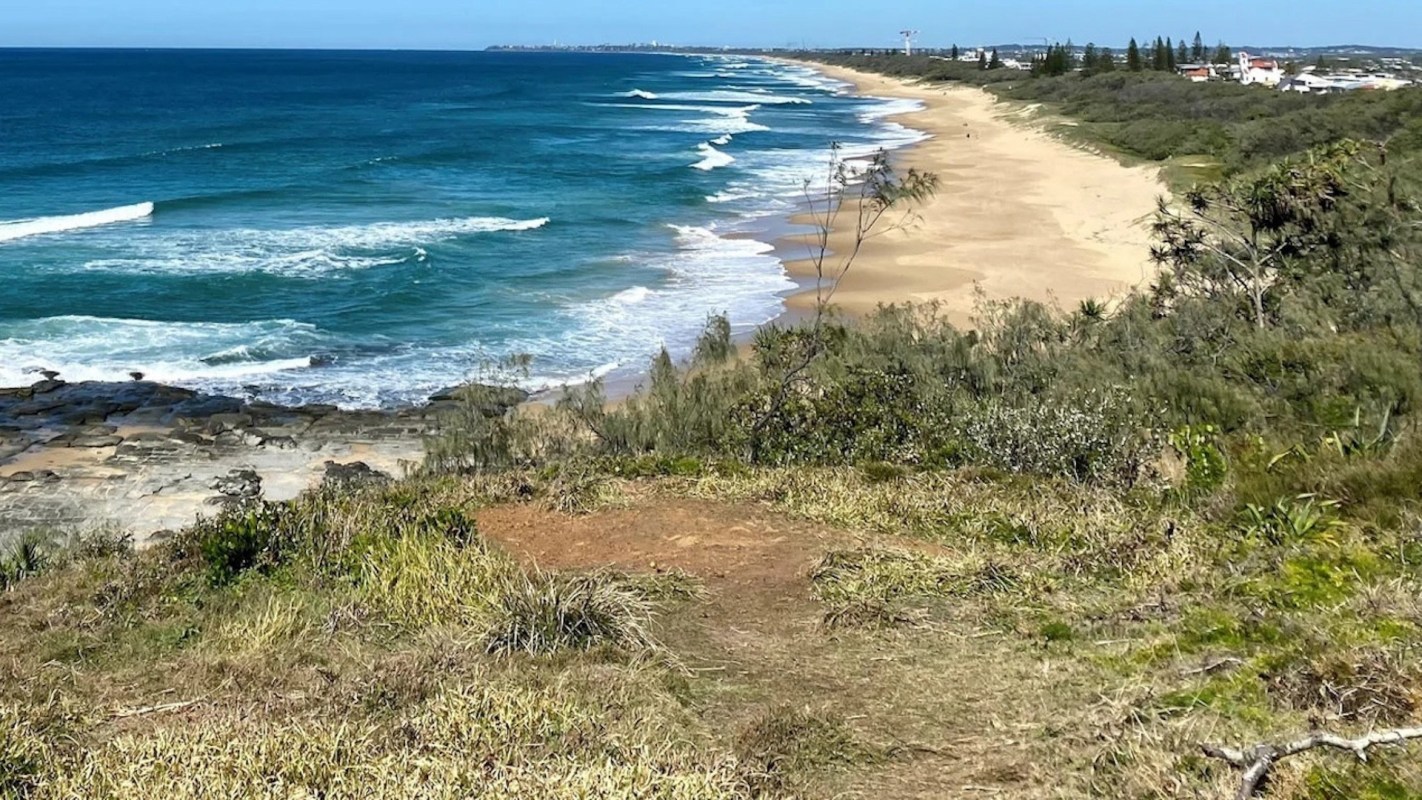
(146, 458)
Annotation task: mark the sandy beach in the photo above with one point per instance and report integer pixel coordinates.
(1018, 213)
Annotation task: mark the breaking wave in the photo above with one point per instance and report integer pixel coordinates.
(20, 229)
(711, 158)
(732, 96)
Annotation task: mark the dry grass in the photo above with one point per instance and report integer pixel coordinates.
(1200, 630)
(419, 580)
(488, 739)
(342, 653)
(1043, 640)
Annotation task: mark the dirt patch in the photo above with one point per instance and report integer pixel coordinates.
(727, 546)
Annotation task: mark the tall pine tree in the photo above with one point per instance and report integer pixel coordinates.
(1106, 60)
(994, 62)
(1169, 56)
(1133, 57)
(1197, 50)
(955, 52)
(1182, 54)
(1057, 61)
(1160, 62)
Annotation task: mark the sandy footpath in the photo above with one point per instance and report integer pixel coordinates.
(1017, 213)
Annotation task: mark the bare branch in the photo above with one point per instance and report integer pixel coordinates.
(1258, 760)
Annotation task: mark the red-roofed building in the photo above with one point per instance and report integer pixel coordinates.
(1263, 71)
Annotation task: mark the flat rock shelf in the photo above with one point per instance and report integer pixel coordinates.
(147, 458)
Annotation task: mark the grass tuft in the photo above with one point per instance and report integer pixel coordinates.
(783, 743)
(539, 614)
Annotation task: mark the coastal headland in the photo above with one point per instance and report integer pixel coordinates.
(1018, 213)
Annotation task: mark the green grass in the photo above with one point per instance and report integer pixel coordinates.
(1184, 171)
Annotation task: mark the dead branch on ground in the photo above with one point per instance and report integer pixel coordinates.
(1259, 759)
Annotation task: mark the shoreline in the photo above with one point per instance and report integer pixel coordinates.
(1018, 213)
(151, 457)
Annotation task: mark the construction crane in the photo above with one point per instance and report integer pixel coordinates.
(908, 41)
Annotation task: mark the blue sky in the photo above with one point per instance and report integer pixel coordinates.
(465, 24)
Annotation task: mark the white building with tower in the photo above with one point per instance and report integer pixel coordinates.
(1261, 71)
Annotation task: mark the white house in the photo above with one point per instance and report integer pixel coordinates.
(1262, 71)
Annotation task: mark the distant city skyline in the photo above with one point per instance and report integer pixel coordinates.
(474, 24)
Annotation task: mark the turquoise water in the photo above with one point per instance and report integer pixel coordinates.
(366, 228)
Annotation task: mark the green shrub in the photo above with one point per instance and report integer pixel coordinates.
(1057, 631)
(239, 540)
(1094, 437)
(1291, 520)
(1205, 464)
(714, 347)
(25, 557)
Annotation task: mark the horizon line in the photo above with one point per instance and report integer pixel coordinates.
(610, 45)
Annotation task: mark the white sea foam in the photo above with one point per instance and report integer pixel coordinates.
(298, 252)
(84, 348)
(706, 274)
(885, 107)
(735, 96)
(892, 135)
(720, 120)
(722, 141)
(640, 94)
(810, 79)
(671, 107)
(731, 196)
(187, 149)
(711, 158)
(633, 296)
(727, 122)
(543, 383)
(20, 229)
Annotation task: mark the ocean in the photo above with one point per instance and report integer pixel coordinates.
(365, 228)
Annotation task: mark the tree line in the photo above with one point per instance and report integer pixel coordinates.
(1162, 55)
